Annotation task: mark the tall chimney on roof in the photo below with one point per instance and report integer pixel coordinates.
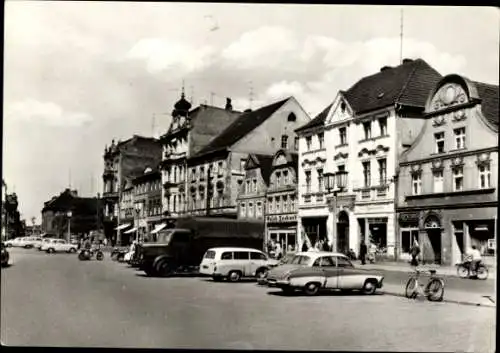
(228, 104)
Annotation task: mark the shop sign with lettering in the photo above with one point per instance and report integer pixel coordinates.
(282, 218)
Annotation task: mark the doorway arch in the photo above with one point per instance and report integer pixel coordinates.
(343, 232)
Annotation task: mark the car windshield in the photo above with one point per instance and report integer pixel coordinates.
(164, 237)
(301, 260)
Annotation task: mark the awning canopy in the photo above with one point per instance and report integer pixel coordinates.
(158, 228)
(130, 231)
(123, 226)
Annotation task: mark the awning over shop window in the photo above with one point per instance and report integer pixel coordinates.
(158, 228)
(123, 226)
(130, 231)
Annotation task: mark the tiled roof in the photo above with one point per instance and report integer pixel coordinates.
(265, 164)
(407, 84)
(317, 121)
(489, 101)
(243, 125)
(79, 205)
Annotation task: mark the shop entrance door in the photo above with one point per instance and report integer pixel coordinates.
(435, 239)
(343, 233)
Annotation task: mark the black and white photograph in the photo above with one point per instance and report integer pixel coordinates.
(249, 176)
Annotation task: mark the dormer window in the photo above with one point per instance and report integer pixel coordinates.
(292, 117)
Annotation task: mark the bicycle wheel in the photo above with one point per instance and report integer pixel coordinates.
(434, 290)
(411, 288)
(482, 272)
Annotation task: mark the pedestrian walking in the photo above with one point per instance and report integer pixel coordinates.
(362, 252)
(414, 252)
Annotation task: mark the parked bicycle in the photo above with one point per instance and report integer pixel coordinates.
(465, 270)
(433, 290)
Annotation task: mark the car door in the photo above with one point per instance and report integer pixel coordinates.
(347, 279)
(242, 262)
(60, 245)
(330, 272)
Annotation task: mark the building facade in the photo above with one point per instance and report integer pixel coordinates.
(365, 130)
(147, 203)
(447, 185)
(251, 199)
(124, 161)
(127, 209)
(217, 171)
(189, 131)
(83, 218)
(281, 215)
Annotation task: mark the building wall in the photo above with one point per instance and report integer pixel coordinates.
(266, 138)
(251, 194)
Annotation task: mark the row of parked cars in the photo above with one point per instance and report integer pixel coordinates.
(50, 245)
(309, 272)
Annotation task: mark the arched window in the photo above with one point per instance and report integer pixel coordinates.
(292, 117)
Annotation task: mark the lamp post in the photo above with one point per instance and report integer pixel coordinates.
(69, 214)
(339, 178)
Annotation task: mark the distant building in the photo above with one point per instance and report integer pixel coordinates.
(147, 203)
(281, 213)
(448, 179)
(84, 216)
(123, 161)
(251, 199)
(217, 171)
(34, 229)
(189, 132)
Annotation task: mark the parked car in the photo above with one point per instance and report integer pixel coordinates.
(11, 242)
(312, 272)
(4, 255)
(44, 241)
(235, 263)
(286, 259)
(58, 245)
(33, 242)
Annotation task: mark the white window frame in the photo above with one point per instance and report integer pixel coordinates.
(367, 130)
(458, 172)
(459, 134)
(382, 172)
(439, 137)
(486, 174)
(438, 179)
(382, 123)
(367, 173)
(416, 183)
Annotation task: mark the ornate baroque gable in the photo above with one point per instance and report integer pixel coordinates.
(341, 111)
(448, 95)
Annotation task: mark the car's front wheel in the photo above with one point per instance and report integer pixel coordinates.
(312, 288)
(370, 287)
(50, 250)
(234, 276)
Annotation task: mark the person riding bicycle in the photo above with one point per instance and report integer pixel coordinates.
(87, 244)
(475, 257)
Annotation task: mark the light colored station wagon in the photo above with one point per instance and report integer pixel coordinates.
(315, 271)
(235, 263)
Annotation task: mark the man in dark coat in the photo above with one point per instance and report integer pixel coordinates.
(363, 250)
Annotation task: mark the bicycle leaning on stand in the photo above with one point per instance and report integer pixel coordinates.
(433, 290)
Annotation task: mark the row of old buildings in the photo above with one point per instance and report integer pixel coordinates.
(413, 154)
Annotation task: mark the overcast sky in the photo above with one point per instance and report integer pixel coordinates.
(79, 74)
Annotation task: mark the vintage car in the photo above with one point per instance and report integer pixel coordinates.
(58, 245)
(5, 255)
(313, 271)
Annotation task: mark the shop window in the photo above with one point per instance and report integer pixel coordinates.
(416, 182)
(439, 142)
(407, 239)
(459, 138)
(438, 180)
(458, 178)
(484, 176)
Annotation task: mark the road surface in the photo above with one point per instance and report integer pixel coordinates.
(56, 300)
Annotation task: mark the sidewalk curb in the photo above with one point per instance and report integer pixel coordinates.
(459, 302)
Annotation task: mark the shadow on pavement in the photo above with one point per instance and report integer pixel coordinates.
(280, 293)
(244, 280)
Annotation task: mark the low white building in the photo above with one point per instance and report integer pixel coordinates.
(364, 131)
